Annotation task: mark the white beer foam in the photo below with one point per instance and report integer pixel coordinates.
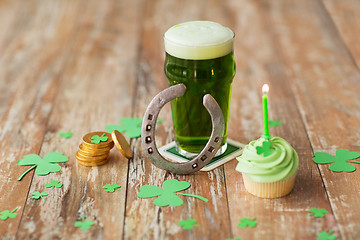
(198, 40)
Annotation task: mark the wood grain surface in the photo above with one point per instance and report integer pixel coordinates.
(80, 65)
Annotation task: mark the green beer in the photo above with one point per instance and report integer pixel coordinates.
(204, 67)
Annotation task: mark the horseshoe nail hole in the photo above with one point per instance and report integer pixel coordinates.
(217, 139)
(194, 165)
(148, 127)
(150, 117)
(150, 150)
(211, 149)
(148, 139)
(161, 100)
(204, 157)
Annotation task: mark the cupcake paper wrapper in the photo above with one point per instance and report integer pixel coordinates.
(271, 189)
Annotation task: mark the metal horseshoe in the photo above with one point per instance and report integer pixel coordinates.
(148, 132)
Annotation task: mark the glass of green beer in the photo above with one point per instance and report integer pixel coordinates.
(199, 54)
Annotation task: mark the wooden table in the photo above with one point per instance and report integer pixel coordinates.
(80, 65)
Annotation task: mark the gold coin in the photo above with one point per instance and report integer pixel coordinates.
(122, 144)
(87, 157)
(93, 150)
(79, 158)
(94, 146)
(93, 164)
(91, 159)
(92, 153)
(87, 141)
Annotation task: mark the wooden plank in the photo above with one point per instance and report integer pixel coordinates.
(259, 61)
(31, 58)
(346, 17)
(97, 85)
(325, 82)
(143, 219)
(90, 69)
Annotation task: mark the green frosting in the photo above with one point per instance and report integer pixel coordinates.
(281, 164)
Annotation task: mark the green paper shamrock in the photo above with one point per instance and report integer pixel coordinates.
(37, 195)
(84, 225)
(7, 214)
(53, 183)
(275, 123)
(66, 135)
(247, 222)
(317, 212)
(168, 194)
(132, 127)
(97, 139)
(234, 239)
(188, 224)
(265, 149)
(326, 235)
(341, 163)
(111, 188)
(44, 165)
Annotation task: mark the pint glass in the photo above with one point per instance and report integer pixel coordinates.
(199, 54)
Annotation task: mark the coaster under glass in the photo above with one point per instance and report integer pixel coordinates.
(233, 150)
(191, 155)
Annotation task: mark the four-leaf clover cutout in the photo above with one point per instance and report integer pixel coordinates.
(97, 139)
(7, 214)
(275, 123)
(43, 165)
(54, 183)
(66, 135)
(247, 222)
(167, 194)
(188, 224)
(326, 235)
(265, 149)
(84, 225)
(37, 195)
(340, 163)
(131, 127)
(111, 188)
(317, 212)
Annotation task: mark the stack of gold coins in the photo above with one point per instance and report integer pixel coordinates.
(95, 149)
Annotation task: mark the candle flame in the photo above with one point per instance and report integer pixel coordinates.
(265, 88)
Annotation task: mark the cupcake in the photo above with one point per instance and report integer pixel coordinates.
(268, 167)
